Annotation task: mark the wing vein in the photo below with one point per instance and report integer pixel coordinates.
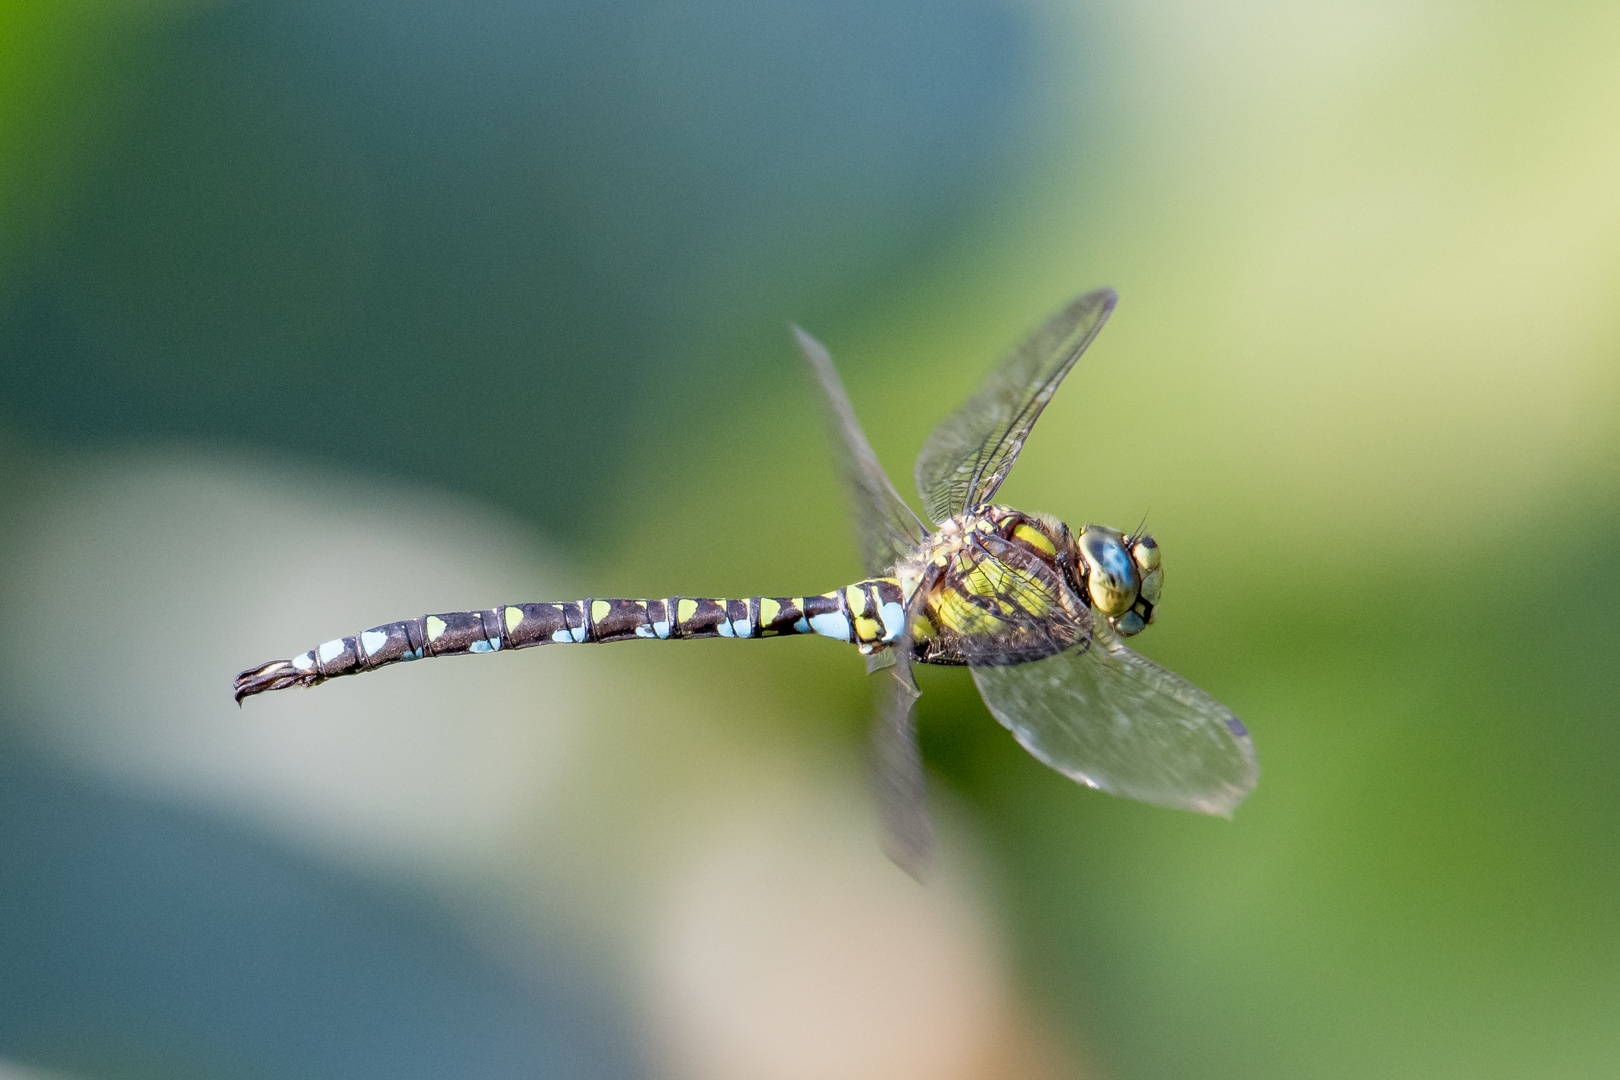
(968, 455)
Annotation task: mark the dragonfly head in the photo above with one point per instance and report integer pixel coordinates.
(1122, 574)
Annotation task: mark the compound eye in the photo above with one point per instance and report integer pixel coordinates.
(1146, 553)
(1129, 624)
(1110, 572)
(1153, 586)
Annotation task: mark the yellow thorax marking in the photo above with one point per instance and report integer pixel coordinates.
(1035, 538)
(956, 613)
(1006, 584)
(987, 578)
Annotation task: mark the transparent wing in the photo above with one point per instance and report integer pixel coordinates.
(888, 530)
(969, 454)
(1114, 720)
(897, 767)
(897, 772)
(1004, 605)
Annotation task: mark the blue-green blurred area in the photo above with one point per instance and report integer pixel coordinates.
(447, 239)
(143, 941)
(319, 314)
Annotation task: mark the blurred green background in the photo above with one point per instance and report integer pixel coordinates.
(319, 313)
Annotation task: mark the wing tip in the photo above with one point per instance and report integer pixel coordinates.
(805, 339)
(916, 863)
(1225, 804)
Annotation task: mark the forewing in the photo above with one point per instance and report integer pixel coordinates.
(887, 529)
(1115, 720)
(969, 454)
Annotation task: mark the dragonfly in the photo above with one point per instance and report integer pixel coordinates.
(1038, 612)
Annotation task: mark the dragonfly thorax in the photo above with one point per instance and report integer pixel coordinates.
(1057, 571)
(1043, 535)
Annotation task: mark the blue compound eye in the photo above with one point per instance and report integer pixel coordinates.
(1110, 571)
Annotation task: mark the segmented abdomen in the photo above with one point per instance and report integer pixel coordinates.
(867, 613)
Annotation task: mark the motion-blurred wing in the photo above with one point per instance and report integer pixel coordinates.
(969, 454)
(1115, 720)
(897, 768)
(888, 530)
